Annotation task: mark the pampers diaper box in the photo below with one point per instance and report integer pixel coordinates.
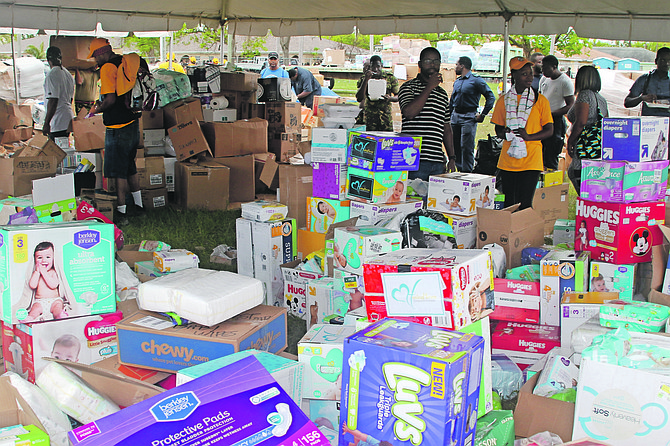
(618, 233)
(561, 272)
(641, 138)
(354, 244)
(624, 182)
(376, 187)
(79, 256)
(323, 212)
(411, 384)
(461, 193)
(329, 180)
(85, 339)
(239, 404)
(384, 151)
(373, 213)
(325, 297)
(606, 277)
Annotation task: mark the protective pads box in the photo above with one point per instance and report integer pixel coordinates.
(461, 193)
(384, 151)
(329, 180)
(411, 384)
(78, 255)
(640, 138)
(376, 187)
(618, 233)
(238, 404)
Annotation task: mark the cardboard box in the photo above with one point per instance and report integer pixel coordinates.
(75, 51)
(23, 435)
(329, 180)
(40, 145)
(283, 117)
(355, 244)
(154, 198)
(334, 57)
(153, 119)
(640, 138)
(237, 138)
(151, 172)
(465, 230)
(512, 229)
(376, 187)
(89, 133)
(534, 414)
(331, 145)
(83, 254)
(295, 288)
(550, 178)
(618, 233)
(608, 277)
(54, 199)
(12, 115)
(153, 137)
(460, 193)
(372, 213)
(242, 177)
(516, 301)
(564, 232)
(269, 175)
(188, 140)
(16, 135)
(179, 346)
(295, 185)
(224, 115)
(169, 164)
(384, 151)
(524, 343)
(202, 185)
(274, 89)
(130, 255)
(323, 212)
(182, 111)
(284, 145)
(15, 409)
(309, 241)
(561, 272)
(239, 81)
(319, 102)
(240, 101)
(328, 297)
(577, 308)
(552, 204)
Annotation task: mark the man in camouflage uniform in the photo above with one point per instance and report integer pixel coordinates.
(377, 113)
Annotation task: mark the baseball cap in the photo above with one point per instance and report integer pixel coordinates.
(273, 55)
(97, 46)
(518, 62)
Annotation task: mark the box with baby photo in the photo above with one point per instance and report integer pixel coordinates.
(376, 187)
(56, 271)
(323, 212)
(354, 244)
(85, 339)
(461, 193)
(410, 384)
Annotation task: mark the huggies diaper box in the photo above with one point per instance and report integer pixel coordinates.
(329, 180)
(373, 213)
(410, 384)
(516, 301)
(239, 404)
(561, 271)
(449, 288)
(146, 340)
(354, 244)
(624, 182)
(384, 151)
(85, 339)
(618, 233)
(524, 343)
(56, 271)
(295, 288)
(640, 138)
(376, 187)
(461, 193)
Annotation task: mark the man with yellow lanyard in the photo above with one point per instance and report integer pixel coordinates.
(122, 136)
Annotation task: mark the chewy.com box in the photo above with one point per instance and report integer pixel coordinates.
(410, 384)
(56, 270)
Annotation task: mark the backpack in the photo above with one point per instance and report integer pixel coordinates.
(142, 96)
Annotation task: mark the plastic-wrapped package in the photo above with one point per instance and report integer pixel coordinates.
(497, 428)
(499, 259)
(506, 377)
(644, 351)
(73, 396)
(532, 256)
(583, 335)
(427, 229)
(126, 282)
(634, 316)
(527, 273)
(541, 439)
(559, 373)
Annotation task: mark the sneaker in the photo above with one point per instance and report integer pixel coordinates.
(121, 219)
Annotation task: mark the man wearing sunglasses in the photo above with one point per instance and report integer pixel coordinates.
(425, 112)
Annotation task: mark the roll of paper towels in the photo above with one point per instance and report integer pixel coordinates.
(218, 103)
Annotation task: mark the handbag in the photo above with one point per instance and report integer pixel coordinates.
(589, 142)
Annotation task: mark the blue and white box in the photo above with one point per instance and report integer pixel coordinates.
(641, 138)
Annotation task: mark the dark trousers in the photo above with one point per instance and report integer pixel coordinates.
(519, 187)
(59, 134)
(553, 146)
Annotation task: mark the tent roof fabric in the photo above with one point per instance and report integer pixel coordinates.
(607, 19)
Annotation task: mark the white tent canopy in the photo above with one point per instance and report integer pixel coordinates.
(607, 19)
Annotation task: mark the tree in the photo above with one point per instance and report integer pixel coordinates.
(252, 47)
(284, 42)
(36, 52)
(568, 44)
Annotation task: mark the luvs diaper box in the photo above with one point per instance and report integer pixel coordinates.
(323, 212)
(376, 187)
(640, 138)
(461, 193)
(618, 233)
(235, 405)
(354, 244)
(624, 182)
(384, 151)
(56, 270)
(410, 384)
(449, 287)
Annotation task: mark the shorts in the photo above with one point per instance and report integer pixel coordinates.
(120, 151)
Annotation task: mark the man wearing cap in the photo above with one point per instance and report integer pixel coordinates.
(377, 114)
(58, 92)
(305, 85)
(123, 131)
(273, 69)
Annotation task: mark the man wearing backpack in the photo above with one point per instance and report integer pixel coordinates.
(652, 86)
(122, 136)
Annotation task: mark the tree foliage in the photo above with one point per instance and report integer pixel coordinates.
(36, 52)
(252, 47)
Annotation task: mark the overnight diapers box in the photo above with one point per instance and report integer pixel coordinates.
(321, 352)
(78, 255)
(460, 193)
(618, 233)
(524, 344)
(376, 187)
(434, 372)
(238, 404)
(329, 180)
(640, 138)
(607, 277)
(384, 151)
(560, 272)
(85, 339)
(373, 213)
(354, 244)
(624, 182)
(323, 212)
(149, 341)
(516, 301)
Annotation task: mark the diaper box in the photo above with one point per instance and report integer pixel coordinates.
(148, 268)
(329, 180)
(461, 193)
(331, 145)
(238, 404)
(295, 289)
(321, 352)
(634, 316)
(524, 343)
(373, 213)
(287, 373)
(175, 260)
(640, 138)
(20, 435)
(85, 339)
(443, 287)
(577, 309)
(262, 210)
(376, 187)
(354, 244)
(465, 230)
(79, 256)
(606, 277)
(149, 341)
(326, 297)
(516, 301)
(564, 232)
(323, 212)
(624, 182)
(384, 151)
(618, 233)
(436, 371)
(326, 415)
(265, 247)
(560, 272)
(621, 406)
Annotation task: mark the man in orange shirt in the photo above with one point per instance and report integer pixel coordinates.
(122, 136)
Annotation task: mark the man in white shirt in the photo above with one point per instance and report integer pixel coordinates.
(58, 94)
(558, 88)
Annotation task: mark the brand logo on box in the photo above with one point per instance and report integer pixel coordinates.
(86, 239)
(176, 407)
(594, 211)
(360, 187)
(363, 148)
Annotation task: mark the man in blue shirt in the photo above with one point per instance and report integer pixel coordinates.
(273, 69)
(305, 85)
(652, 86)
(464, 104)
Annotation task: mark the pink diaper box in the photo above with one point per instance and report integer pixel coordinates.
(329, 180)
(516, 301)
(524, 343)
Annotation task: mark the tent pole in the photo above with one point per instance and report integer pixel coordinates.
(221, 42)
(505, 56)
(372, 44)
(162, 49)
(170, 52)
(16, 83)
